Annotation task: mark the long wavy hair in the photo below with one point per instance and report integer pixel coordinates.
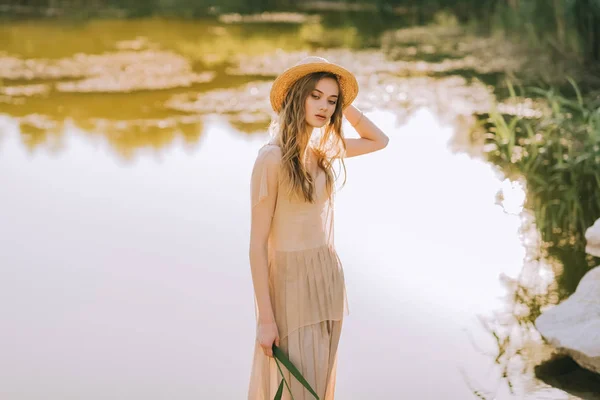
(291, 134)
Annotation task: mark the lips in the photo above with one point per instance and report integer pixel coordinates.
(321, 117)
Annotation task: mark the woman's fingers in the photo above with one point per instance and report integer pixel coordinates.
(267, 337)
(268, 351)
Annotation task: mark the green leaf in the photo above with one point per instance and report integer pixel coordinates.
(511, 88)
(278, 354)
(279, 391)
(574, 84)
(283, 380)
(538, 91)
(539, 180)
(560, 167)
(582, 157)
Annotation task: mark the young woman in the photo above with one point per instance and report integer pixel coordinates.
(300, 295)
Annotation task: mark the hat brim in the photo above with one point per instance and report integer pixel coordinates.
(283, 83)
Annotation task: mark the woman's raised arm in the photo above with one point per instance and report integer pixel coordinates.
(371, 137)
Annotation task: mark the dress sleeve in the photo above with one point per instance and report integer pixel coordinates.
(265, 177)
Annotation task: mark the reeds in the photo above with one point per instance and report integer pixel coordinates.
(559, 155)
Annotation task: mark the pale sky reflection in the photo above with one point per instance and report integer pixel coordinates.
(132, 280)
(424, 244)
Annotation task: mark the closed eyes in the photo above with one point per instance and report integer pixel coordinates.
(317, 97)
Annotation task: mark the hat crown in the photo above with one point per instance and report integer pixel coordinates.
(312, 60)
(346, 80)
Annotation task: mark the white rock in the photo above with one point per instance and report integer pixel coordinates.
(592, 237)
(573, 326)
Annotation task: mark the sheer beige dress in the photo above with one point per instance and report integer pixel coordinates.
(306, 283)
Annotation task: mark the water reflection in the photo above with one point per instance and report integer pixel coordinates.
(143, 172)
(155, 251)
(125, 137)
(555, 263)
(176, 71)
(519, 347)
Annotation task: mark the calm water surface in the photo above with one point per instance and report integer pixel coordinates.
(124, 227)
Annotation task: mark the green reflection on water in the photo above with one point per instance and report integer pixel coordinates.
(110, 76)
(101, 71)
(556, 154)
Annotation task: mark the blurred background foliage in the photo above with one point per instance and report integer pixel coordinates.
(569, 26)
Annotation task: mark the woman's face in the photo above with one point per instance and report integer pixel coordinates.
(321, 102)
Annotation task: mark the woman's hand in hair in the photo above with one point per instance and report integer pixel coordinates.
(371, 137)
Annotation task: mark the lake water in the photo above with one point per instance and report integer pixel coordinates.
(124, 223)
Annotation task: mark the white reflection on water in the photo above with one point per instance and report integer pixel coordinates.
(132, 281)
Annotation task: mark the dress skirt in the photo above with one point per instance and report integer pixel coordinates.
(306, 283)
(313, 350)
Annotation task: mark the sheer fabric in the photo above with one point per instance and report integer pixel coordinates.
(306, 280)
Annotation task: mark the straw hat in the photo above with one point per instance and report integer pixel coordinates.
(347, 81)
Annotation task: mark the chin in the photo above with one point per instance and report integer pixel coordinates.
(317, 124)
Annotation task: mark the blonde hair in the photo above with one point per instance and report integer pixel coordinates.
(293, 137)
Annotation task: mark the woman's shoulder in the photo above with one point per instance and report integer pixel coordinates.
(270, 153)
